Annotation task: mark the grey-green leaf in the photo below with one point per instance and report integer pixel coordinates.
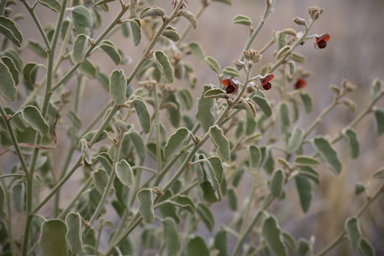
(254, 156)
(7, 83)
(198, 51)
(229, 2)
(73, 236)
(52, 238)
(366, 248)
(284, 115)
(352, 227)
(18, 196)
(327, 153)
(190, 17)
(376, 88)
(112, 51)
(231, 71)
(289, 241)
(118, 86)
(144, 197)
(164, 65)
(37, 48)
(220, 141)
(11, 31)
(221, 243)
(217, 168)
(303, 247)
(79, 47)
(170, 32)
(304, 190)
(307, 101)
(133, 5)
(277, 183)
(197, 247)
(33, 117)
(250, 123)
(88, 69)
(176, 142)
(263, 103)
(136, 31)
(143, 114)
(295, 140)
(350, 136)
(100, 179)
(306, 161)
(206, 110)
(206, 216)
(379, 174)
(242, 19)
(54, 5)
(379, 121)
(186, 203)
(232, 199)
(273, 236)
(124, 173)
(213, 64)
(12, 68)
(152, 11)
(171, 234)
(82, 19)
(138, 144)
(215, 93)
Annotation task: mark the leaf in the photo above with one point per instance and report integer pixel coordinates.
(11, 31)
(327, 153)
(198, 51)
(206, 216)
(30, 72)
(272, 234)
(33, 117)
(136, 31)
(118, 86)
(220, 242)
(307, 100)
(84, 151)
(263, 103)
(7, 84)
(138, 144)
(133, 5)
(250, 123)
(149, 237)
(284, 115)
(208, 193)
(12, 68)
(88, 69)
(15, 56)
(213, 64)
(171, 235)
(100, 179)
(267, 159)
(304, 190)
(217, 168)
(54, 5)
(232, 199)
(365, 248)
(190, 17)
(124, 173)
(230, 71)
(112, 51)
(186, 203)
(229, 2)
(220, 141)
(352, 227)
(73, 236)
(197, 247)
(295, 140)
(303, 247)
(88, 136)
(376, 88)
(298, 57)
(205, 114)
(350, 136)
(102, 2)
(185, 98)
(37, 48)
(143, 114)
(79, 47)
(289, 241)
(281, 40)
(82, 19)
(215, 93)
(242, 19)
(164, 65)
(152, 11)
(277, 183)
(306, 161)
(176, 142)
(254, 156)
(18, 196)
(379, 121)
(144, 197)
(52, 238)
(2, 201)
(170, 32)
(379, 174)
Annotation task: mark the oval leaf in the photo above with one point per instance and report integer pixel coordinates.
(215, 93)
(143, 114)
(284, 115)
(254, 156)
(379, 121)
(242, 19)
(11, 31)
(350, 136)
(197, 247)
(133, 5)
(273, 236)
(366, 249)
(304, 190)
(144, 197)
(220, 141)
(277, 183)
(307, 101)
(12, 69)
(100, 179)
(18, 196)
(198, 51)
(33, 117)
(79, 47)
(327, 153)
(306, 161)
(164, 66)
(124, 173)
(138, 144)
(232, 199)
(352, 227)
(37, 48)
(7, 83)
(51, 4)
(112, 51)
(82, 19)
(231, 71)
(73, 236)
(118, 86)
(152, 11)
(295, 140)
(170, 32)
(136, 31)
(52, 238)
(205, 114)
(190, 17)
(171, 234)
(206, 216)
(176, 142)
(88, 69)
(264, 105)
(215, 66)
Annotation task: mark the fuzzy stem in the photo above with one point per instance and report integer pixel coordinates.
(157, 124)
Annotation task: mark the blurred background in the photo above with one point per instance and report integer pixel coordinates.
(355, 52)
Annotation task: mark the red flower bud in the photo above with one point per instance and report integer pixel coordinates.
(230, 86)
(322, 41)
(300, 83)
(266, 82)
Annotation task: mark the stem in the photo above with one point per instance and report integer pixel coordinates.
(340, 237)
(157, 116)
(38, 24)
(9, 214)
(80, 84)
(250, 202)
(11, 175)
(144, 168)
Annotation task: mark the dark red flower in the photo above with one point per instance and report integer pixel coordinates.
(300, 83)
(266, 82)
(322, 41)
(181, 7)
(230, 86)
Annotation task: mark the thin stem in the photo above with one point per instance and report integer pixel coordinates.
(38, 24)
(12, 175)
(144, 168)
(340, 237)
(79, 89)
(157, 116)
